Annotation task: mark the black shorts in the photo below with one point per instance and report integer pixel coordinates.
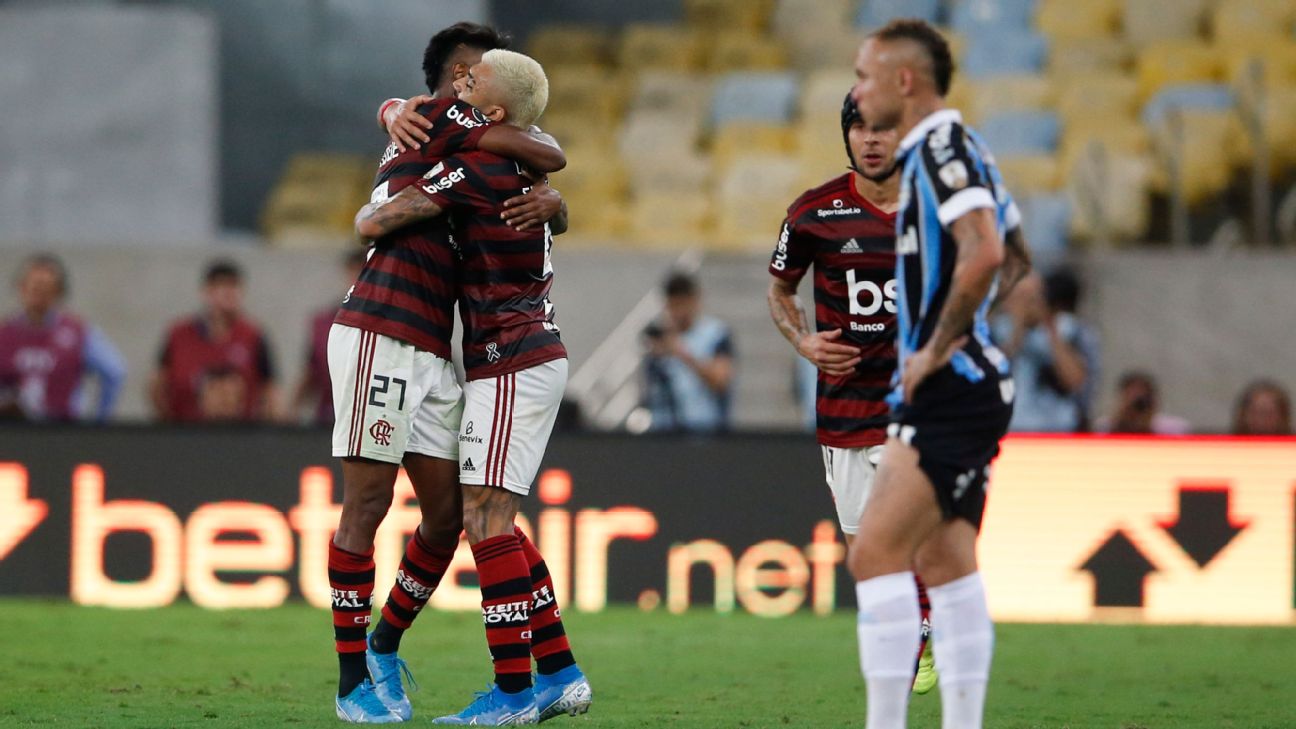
(956, 425)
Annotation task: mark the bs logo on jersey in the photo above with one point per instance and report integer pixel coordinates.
(471, 120)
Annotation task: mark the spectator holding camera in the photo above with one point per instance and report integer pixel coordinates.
(1138, 409)
(46, 353)
(1054, 354)
(1263, 408)
(689, 364)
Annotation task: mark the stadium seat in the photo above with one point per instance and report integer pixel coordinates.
(822, 92)
(761, 97)
(570, 45)
(1046, 223)
(874, 13)
(813, 48)
(1185, 96)
(1098, 94)
(1276, 58)
(1005, 51)
(1109, 196)
(751, 16)
(1012, 92)
(790, 16)
(595, 187)
(649, 45)
(1242, 20)
(752, 199)
(646, 135)
(682, 172)
(1279, 125)
(1114, 136)
(977, 16)
(572, 129)
(590, 90)
(1170, 62)
(1076, 57)
(676, 219)
(1150, 21)
(1020, 132)
(315, 200)
(1196, 144)
(740, 50)
(684, 95)
(1029, 173)
(1070, 19)
(741, 138)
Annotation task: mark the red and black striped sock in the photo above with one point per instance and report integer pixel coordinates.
(548, 637)
(421, 570)
(351, 577)
(506, 609)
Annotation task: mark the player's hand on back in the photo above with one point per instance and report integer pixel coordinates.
(921, 364)
(828, 354)
(406, 127)
(533, 209)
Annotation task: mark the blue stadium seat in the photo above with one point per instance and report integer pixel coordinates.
(997, 50)
(974, 16)
(873, 13)
(758, 97)
(1186, 96)
(1046, 222)
(1021, 132)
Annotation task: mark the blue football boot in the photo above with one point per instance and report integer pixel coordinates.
(362, 706)
(565, 692)
(496, 708)
(386, 669)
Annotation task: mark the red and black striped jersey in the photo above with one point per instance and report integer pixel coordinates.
(851, 244)
(504, 274)
(406, 289)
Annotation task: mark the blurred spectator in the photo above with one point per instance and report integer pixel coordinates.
(1263, 408)
(315, 388)
(689, 366)
(46, 353)
(1137, 406)
(216, 365)
(1054, 354)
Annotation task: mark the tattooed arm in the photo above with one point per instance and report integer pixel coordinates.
(1017, 263)
(980, 254)
(820, 348)
(380, 218)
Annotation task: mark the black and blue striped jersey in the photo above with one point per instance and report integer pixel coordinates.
(947, 171)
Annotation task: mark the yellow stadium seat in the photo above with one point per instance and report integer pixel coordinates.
(713, 15)
(1026, 174)
(1110, 197)
(1241, 20)
(669, 92)
(738, 50)
(647, 135)
(573, 130)
(1115, 136)
(597, 93)
(570, 45)
(752, 198)
(1060, 19)
(742, 138)
(591, 176)
(1098, 94)
(823, 92)
(680, 172)
(791, 16)
(1017, 92)
(1151, 21)
(822, 47)
(1169, 62)
(646, 45)
(1078, 56)
(1276, 58)
(1194, 147)
(316, 199)
(675, 219)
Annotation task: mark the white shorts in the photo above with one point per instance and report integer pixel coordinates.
(390, 397)
(507, 421)
(850, 472)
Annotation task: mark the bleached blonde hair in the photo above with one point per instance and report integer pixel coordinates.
(521, 83)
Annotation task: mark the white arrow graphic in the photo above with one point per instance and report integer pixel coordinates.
(18, 514)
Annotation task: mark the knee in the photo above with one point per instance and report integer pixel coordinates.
(442, 533)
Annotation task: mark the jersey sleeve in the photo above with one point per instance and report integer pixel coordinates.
(457, 127)
(794, 252)
(457, 184)
(956, 174)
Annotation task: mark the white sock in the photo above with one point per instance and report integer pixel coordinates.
(963, 641)
(888, 628)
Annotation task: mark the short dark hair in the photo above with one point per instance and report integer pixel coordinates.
(53, 263)
(922, 33)
(222, 268)
(680, 284)
(1062, 290)
(444, 43)
(1137, 377)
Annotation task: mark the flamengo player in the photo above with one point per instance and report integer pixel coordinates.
(845, 228)
(516, 369)
(394, 391)
(954, 234)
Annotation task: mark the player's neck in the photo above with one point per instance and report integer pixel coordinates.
(920, 108)
(884, 195)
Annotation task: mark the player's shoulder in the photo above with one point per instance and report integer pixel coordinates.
(949, 139)
(818, 197)
(460, 112)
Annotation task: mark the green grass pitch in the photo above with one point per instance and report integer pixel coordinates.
(67, 666)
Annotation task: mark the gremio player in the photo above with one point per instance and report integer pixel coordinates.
(516, 368)
(953, 396)
(845, 229)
